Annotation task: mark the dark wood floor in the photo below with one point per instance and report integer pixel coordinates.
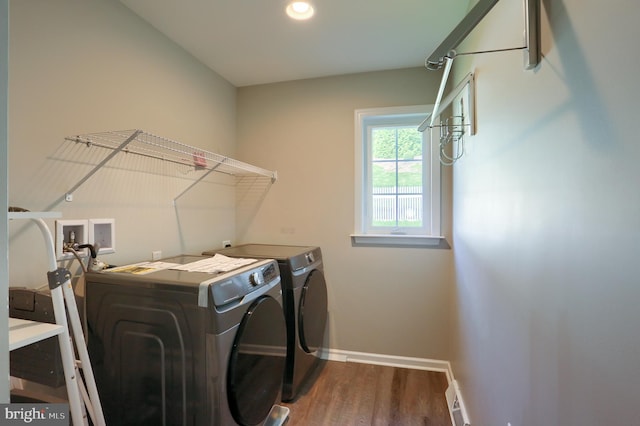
(345, 393)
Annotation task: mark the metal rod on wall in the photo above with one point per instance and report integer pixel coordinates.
(443, 83)
(531, 18)
(436, 106)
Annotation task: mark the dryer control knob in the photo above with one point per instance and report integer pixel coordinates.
(256, 279)
(310, 257)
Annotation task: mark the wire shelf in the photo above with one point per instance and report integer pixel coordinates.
(149, 145)
(138, 142)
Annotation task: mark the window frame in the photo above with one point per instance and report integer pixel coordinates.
(429, 234)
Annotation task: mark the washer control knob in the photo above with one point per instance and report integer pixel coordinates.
(256, 279)
(310, 257)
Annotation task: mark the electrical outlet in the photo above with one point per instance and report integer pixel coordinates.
(156, 255)
(226, 243)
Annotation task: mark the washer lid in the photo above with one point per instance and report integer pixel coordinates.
(266, 251)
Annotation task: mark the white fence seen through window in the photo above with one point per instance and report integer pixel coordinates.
(403, 205)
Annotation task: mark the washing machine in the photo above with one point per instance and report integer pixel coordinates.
(304, 302)
(181, 347)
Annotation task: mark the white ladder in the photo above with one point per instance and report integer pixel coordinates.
(81, 388)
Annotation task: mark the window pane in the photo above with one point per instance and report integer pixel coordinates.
(383, 143)
(384, 212)
(410, 210)
(409, 143)
(396, 172)
(384, 175)
(392, 209)
(410, 174)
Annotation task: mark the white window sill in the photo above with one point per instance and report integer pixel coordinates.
(387, 240)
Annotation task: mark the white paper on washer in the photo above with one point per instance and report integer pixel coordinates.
(142, 268)
(217, 263)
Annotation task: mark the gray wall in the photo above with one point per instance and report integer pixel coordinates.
(90, 66)
(392, 301)
(547, 222)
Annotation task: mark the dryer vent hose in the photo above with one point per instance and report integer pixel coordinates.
(92, 249)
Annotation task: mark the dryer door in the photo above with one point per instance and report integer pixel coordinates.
(312, 315)
(256, 364)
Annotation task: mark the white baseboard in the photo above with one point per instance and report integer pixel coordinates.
(389, 360)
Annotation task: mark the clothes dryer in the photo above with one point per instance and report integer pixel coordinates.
(176, 347)
(304, 303)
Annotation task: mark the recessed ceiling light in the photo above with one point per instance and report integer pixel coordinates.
(300, 9)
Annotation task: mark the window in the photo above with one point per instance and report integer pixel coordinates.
(397, 178)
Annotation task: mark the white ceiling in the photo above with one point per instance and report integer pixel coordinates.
(252, 42)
